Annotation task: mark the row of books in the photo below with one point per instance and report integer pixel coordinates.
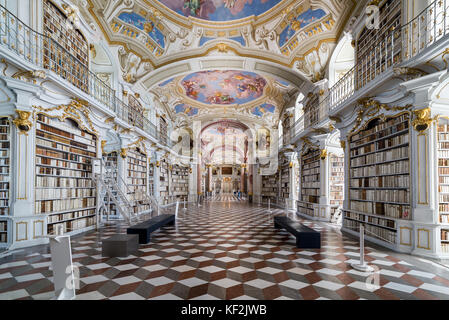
(443, 207)
(399, 167)
(310, 184)
(3, 226)
(443, 197)
(42, 194)
(4, 144)
(62, 172)
(443, 153)
(400, 181)
(4, 161)
(401, 196)
(49, 206)
(75, 141)
(4, 170)
(4, 153)
(444, 218)
(72, 225)
(63, 148)
(63, 155)
(51, 141)
(443, 180)
(67, 129)
(397, 211)
(136, 174)
(444, 235)
(311, 178)
(71, 215)
(372, 231)
(310, 192)
(4, 211)
(62, 182)
(63, 164)
(311, 171)
(380, 145)
(383, 129)
(390, 155)
(443, 171)
(3, 237)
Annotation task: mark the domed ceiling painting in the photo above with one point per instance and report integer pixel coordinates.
(220, 10)
(224, 87)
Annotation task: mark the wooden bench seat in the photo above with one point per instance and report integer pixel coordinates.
(306, 238)
(145, 228)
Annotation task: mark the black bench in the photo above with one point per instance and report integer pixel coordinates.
(120, 245)
(306, 238)
(145, 228)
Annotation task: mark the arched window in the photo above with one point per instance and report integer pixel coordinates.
(342, 60)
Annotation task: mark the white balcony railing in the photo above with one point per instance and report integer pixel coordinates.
(43, 52)
(395, 48)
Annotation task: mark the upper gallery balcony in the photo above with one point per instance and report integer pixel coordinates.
(376, 62)
(37, 51)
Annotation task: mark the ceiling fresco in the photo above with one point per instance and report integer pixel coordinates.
(300, 22)
(145, 25)
(224, 87)
(220, 10)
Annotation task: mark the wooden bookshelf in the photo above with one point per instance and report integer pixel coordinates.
(443, 181)
(336, 180)
(270, 188)
(135, 114)
(164, 183)
(137, 179)
(65, 192)
(373, 56)
(163, 129)
(311, 110)
(5, 138)
(310, 176)
(151, 179)
(180, 182)
(111, 160)
(285, 181)
(379, 177)
(60, 29)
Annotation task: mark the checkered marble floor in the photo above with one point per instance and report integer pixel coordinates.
(225, 198)
(227, 251)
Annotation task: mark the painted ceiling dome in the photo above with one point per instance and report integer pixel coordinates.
(224, 87)
(220, 10)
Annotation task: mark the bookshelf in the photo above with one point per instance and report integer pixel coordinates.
(180, 182)
(379, 177)
(443, 182)
(310, 181)
(151, 179)
(164, 183)
(5, 138)
(111, 160)
(370, 62)
(285, 181)
(336, 180)
(59, 28)
(137, 179)
(163, 130)
(65, 191)
(270, 187)
(311, 110)
(135, 114)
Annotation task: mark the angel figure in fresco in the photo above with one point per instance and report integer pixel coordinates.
(194, 6)
(229, 3)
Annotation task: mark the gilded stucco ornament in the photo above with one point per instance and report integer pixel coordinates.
(422, 119)
(123, 153)
(22, 122)
(323, 154)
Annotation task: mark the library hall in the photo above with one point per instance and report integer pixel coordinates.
(254, 150)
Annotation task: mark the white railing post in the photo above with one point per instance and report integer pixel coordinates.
(362, 266)
(269, 206)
